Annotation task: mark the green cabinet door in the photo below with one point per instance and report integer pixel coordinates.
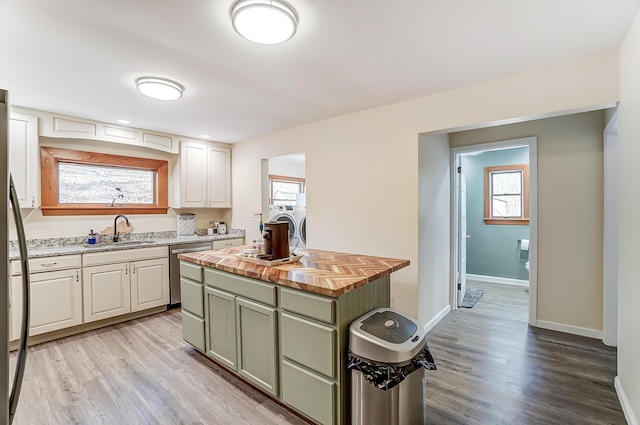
(257, 338)
(220, 327)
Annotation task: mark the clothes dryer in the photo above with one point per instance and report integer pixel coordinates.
(284, 214)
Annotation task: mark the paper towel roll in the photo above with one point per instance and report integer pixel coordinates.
(524, 244)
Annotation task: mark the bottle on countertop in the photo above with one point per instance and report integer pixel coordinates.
(92, 238)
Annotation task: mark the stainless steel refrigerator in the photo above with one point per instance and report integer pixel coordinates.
(10, 385)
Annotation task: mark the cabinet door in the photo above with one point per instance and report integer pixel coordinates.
(220, 327)
(149, 284)
(219, 177)
(23, 157)
(106, 291)
(193, 175)
(56, 302)
(257, 336)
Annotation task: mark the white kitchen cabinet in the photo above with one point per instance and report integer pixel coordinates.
(124, 281)
(205, 176)
(149, 284)
(23, 157)
(56, 296)
(227, 243)
(106, 291)
(62, 126)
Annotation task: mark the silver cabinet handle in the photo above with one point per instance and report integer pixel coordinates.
(49, 264)
(126, 269)
(77, 276)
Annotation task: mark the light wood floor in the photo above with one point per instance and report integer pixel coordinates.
(492, 369)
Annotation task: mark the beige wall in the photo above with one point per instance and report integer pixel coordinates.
(362, 168)
(570, 213)
(434, 238)
(38, 226)
(628, 248)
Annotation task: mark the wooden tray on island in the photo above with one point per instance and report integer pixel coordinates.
(269, 263)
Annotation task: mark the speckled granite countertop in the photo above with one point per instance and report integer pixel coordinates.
(39, 248)
(323, 272)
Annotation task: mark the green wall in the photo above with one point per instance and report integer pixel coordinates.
(492, 250)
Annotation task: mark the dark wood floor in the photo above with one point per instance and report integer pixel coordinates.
(492, 369)
(495, 369)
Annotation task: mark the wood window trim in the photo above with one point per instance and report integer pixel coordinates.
(488, 219)
(286, 179)
(49, 159)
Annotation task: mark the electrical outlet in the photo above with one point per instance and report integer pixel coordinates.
(254, 213)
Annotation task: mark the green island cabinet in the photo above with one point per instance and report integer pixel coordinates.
(289, 343)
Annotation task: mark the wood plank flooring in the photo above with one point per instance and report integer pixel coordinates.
(495, 369)
(492, 369)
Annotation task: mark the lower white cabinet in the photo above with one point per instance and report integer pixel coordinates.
(149, 284)
(56, 294)
(111, 290)
(227, 243)
(56, 302)
(106, 291)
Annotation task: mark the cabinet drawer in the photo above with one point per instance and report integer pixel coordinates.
(192, 271)
(248, 288)
(47, 264)
(228, 243)
(310, 394)
(311, 344)
(192, 296)
(124, 255)
(308, 305)
(193, 330)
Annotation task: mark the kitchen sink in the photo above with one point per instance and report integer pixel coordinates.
(116, 244)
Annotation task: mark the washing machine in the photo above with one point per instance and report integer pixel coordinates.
(284, 214)
(300, 215)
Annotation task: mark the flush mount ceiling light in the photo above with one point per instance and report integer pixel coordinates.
(264, 21)
(159, 88)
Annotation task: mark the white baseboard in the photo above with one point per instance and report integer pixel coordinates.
(494, 279)
(575, 330)
(436, 319)
(624, 402)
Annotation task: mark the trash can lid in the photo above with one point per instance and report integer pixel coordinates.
(387, 336)
(390, 326)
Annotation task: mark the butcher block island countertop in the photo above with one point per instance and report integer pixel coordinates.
(284, 329)
(323, 272)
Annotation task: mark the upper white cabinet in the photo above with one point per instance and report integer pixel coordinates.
(205, 176)
(62, 126)
(23, 157)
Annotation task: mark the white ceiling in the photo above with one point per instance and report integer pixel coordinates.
(81, 58)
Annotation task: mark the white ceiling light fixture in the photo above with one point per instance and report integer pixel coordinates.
(159, 88)
(264, 21)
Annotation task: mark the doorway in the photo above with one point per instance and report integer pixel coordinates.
(503, 241)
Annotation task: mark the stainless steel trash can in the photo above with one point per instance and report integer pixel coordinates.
(388, 359)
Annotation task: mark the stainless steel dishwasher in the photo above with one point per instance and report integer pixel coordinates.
(174, 267)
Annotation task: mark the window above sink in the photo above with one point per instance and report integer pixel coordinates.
(88, 183)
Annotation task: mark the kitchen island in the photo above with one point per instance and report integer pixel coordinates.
(284, 329)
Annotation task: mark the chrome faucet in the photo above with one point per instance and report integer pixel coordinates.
(116, 235)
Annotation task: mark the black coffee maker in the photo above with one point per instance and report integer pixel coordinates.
(276, 240)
